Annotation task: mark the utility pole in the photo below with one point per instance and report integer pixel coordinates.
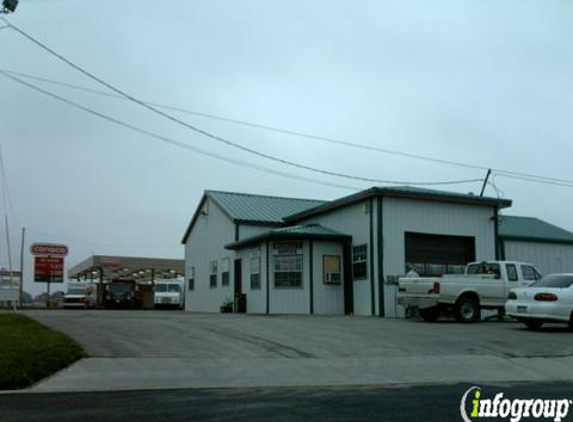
(485, 182)
(22, 267)
(9, 254)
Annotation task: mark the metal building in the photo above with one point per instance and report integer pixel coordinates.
(529, 239)
(287, 255)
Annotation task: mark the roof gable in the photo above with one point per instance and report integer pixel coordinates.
(244, 208)
(532, 229)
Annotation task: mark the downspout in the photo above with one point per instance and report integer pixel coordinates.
(267, 280)
(496, 231)
(371, 248)
(311, 276)
(380, 255)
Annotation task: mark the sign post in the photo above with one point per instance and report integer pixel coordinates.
(48, 264)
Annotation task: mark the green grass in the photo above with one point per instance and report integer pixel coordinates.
(30, 351)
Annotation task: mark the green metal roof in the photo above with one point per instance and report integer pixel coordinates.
(532, 229)
(307, 231)
(243, 207)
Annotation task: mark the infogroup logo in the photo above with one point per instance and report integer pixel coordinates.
(515, 410)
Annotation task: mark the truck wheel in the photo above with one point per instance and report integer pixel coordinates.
(467, 309)
(533, 324)
(430, 314)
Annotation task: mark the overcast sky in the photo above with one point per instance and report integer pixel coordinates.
(486, 83)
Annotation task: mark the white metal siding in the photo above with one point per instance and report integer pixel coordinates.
(406, 215)
(547, 257)
(328, 298)
(256, 299)
(246, 231)
(353, 220)
(205, 243)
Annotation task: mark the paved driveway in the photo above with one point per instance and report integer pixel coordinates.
(145, 349)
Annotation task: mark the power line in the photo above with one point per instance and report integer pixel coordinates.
(290, 132)
(178, 143)
(57, 236)
(216, 137)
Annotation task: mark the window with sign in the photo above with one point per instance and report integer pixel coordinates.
(288, 270)
(213, 274)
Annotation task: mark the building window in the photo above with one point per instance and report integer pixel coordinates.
(255, 264)
(225, 265)
(331, 269)
(359, 262)
(213, 274)
(288, 270)
(191, 279)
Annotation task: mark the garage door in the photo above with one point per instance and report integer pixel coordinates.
(434, 255)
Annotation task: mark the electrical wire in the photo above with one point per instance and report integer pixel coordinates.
(73, 240)
(289, 132)
(178, 143)
(216, 137)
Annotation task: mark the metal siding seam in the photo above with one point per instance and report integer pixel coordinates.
(311, 276)
(372, 301)
(380, 259)
(268, 284)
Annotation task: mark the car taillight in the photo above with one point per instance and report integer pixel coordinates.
(436, 288)
(546, 297)
(511, 296)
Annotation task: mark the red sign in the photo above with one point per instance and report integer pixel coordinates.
(48, 270)
(48, 249)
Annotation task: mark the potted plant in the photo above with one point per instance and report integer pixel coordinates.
(227, 307)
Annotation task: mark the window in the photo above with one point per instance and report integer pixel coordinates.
(225, 265)
(359, 262)
(511, 272)
(288, 270)
(255, 264)
(558, 281)
(529, 273)
(213, 274)
(331, 269)
(191, 280)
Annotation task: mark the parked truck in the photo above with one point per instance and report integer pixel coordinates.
(119, 294)
(484, 285)
(79, 296)
(168, 293)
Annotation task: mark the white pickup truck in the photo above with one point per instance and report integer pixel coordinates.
(484, 285)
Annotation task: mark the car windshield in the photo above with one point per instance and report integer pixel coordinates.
(76, 291)
(174, 288)
(160, 288)
(121, 288)
(558, 281)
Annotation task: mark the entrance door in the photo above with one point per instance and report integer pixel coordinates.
(240, 297)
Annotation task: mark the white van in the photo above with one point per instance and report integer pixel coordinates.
(169, 293)
(80, 296)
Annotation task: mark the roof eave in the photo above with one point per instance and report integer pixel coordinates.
(375, 191)
(536, 239)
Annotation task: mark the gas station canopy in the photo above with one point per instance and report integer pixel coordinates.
(105, 268)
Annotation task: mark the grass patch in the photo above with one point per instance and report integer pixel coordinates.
(30, 351)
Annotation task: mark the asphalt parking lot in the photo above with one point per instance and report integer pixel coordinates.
(139, 349)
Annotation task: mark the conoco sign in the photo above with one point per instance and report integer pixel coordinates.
(48, 249)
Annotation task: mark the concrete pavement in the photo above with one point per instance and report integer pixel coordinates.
(162, 350)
